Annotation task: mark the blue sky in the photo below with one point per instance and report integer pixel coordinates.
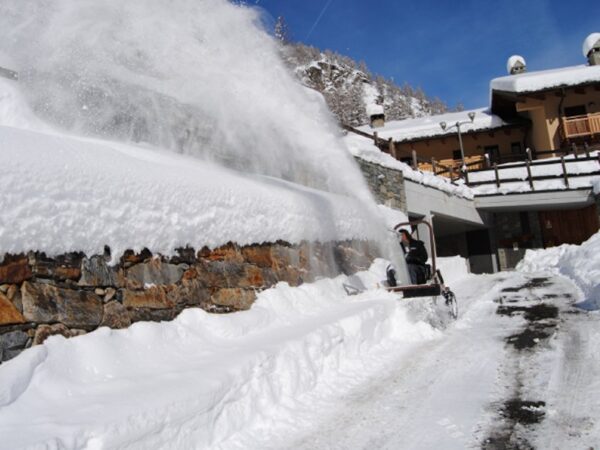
(450, 49)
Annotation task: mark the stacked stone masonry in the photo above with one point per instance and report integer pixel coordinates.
(387, 185)
(73, 294)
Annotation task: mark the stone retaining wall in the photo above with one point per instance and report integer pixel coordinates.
(73, 294)
(387, 185)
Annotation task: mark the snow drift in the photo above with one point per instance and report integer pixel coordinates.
(580, 263)
(204, 380)
(61, 194)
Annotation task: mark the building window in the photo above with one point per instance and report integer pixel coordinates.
(456, 155)
(493, 153)
(515, 148)
(578, 110)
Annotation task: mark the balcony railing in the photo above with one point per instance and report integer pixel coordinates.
(578, 126)
(450, 167)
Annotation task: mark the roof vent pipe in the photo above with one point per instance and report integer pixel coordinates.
(591, 49)
(516, 64)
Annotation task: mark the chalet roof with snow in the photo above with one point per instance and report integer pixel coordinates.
(542, 80)
(429, 127)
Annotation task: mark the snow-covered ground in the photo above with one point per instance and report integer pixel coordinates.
(311, 367)
(305, 367)
(209, 380)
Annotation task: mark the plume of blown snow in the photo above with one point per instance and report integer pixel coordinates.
(195, 76)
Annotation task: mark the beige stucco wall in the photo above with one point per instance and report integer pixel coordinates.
(545, 117)
(473, 143)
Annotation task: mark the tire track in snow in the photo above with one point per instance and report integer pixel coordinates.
(542, 302)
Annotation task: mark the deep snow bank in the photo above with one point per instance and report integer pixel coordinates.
(61, 194)
(202, 380)
(580, 263)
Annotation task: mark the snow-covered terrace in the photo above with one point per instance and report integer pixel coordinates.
(429, 127)
(546, 79)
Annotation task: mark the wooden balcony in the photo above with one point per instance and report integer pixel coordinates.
(581, 126)
(451, 167)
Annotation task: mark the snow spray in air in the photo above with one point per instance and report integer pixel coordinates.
(199, 77)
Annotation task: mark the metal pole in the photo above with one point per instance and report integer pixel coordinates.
(564, 168)
(574, 148)
(496, 175)
(529, 175)
(463, 169)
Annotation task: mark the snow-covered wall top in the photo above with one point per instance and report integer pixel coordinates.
(364, 148)
(60, 194)
(425, 127)
(546, 79)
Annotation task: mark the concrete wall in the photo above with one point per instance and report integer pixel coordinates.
(425, 201)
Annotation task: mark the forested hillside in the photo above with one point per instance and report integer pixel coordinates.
(348, 86)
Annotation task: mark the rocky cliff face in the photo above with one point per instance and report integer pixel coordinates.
(348, 86)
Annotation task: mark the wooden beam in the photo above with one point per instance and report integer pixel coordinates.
(528, 104)
(539, 96)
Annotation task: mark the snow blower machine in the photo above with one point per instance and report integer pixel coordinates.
(432, 284)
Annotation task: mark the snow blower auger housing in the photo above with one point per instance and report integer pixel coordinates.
(434, 282)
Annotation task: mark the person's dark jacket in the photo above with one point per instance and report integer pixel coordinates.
(415, 252)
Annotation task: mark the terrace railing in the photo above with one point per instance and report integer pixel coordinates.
(580, 126)
(538, 170)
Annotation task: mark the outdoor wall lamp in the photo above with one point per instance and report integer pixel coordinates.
(458, 123)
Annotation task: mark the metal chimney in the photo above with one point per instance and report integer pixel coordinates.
(591, 49)
(376, 116)
(515, 65)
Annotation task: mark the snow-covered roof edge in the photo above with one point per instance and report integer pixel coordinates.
(429, 127)
(542, 80)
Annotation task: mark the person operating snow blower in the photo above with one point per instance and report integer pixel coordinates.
(416, 257)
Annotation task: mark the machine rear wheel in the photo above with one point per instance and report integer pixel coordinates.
(451, 303)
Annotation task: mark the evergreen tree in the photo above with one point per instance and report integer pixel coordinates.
(342, 82)
(281, 31)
